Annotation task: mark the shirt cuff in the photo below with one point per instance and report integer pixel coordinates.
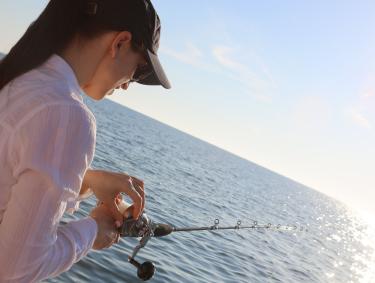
(92, 228)
(84, 231)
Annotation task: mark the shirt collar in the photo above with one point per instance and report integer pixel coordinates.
(60, 66)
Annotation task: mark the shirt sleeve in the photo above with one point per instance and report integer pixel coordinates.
(51, 150)
(73, 206)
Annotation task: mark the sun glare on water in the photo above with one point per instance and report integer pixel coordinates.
(364, 265)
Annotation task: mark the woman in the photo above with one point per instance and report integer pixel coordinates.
(47, 134)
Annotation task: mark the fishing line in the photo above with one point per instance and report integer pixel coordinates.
(146, 229)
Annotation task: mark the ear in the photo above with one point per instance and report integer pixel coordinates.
(121, 40)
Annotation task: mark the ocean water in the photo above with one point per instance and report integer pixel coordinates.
(189, 182)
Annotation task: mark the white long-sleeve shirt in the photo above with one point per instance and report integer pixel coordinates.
(47, 142)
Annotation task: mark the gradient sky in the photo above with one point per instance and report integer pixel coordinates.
(289, 85)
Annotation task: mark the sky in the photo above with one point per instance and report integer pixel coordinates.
(289, 85)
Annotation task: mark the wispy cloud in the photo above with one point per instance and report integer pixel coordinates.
(254, 75)
(360, 119)
(222, 54)
(191, 55)
(369, 94)
(367, 89)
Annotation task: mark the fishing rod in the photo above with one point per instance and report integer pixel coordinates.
(146, 229)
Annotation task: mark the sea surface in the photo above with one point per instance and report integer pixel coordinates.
(189, 182)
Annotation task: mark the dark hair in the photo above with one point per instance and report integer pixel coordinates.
(50, 33)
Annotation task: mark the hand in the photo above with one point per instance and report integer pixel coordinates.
(107, 186)
(107, 232)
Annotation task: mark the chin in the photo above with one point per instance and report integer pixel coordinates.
(95, 93)
(110, 92)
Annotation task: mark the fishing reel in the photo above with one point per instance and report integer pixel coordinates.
(145, 229)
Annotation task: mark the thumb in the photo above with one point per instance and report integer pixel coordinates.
(116, 214)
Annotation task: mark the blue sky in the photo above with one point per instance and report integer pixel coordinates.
(288, 84)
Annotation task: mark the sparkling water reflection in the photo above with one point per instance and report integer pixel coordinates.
(190, 183)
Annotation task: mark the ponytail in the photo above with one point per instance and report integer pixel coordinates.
(50, 33)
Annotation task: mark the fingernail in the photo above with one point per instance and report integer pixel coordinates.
(118, 224)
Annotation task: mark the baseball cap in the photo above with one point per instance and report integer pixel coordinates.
(140, 18)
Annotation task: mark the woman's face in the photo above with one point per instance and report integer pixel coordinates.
(116, 68)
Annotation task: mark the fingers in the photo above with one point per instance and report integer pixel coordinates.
(118, 199)
(110, 240)
(113, 207)
(138, 186)
(142, 195)
(137, 181)
(134, 188)
(136, 197)
(117, 238)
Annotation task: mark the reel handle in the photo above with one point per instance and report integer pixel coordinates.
(145, 271)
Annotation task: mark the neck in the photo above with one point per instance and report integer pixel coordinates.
(84, 57)
(83, 61)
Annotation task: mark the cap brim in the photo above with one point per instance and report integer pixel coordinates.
(158, 76)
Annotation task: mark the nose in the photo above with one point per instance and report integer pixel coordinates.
(125, 86)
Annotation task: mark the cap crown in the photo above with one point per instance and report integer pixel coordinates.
(136, 16)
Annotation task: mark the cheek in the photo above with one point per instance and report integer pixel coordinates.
(102, 82)
(134, 60)
(117, 72)
(110, 75)
(123, 70)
